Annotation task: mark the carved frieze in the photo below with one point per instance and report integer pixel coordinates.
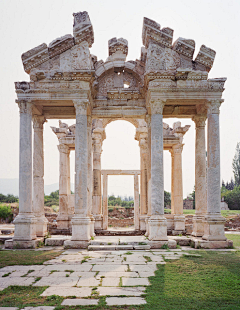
(60, 45)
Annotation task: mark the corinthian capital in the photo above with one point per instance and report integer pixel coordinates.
(81, 106)
(214, 105)
(199, 120)
(38, 121)
(177, 148)
(157, 106)
(25, 106)
(63, 148)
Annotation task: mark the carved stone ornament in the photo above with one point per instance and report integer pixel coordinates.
(63, 148)
(38, 121)
(157, 106)
(199, 120)
(213, 106)
(81, 106)
(82, 28)
(177, 149)
(115, 45)
(25, 106)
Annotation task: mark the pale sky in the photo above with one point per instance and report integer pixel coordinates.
(25, 24)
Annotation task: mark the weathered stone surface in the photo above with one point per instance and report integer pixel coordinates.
(120, 301)
(116, 291)
(67, 291)
(79, 302)
(134, 281)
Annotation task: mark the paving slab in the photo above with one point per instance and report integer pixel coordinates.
(125, 301)
(110, 281)
(79, 302)
(146, 274)
(143, 268)
(68, 291)
(107, 267)
(134, 281)
(25, 281)
(88, 282)
(59, 274)
(39, 308)
(111, 274)
(83, 274)
(8, 308)
(58, 282)
(116, 291)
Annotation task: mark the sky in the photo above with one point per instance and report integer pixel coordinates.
(25, 24)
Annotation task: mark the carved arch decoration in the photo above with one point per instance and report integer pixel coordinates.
(134, 122)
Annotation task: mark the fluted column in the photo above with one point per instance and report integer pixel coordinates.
(90, 174)
(179, 218)
(105, 201)
(157, 221)
(98, 137)
(214, 222)
(200, 177)
(81, 221)
(38, 174)
(62, 219)
(25, 229)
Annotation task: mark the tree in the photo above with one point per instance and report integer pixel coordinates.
(193, 197)
(167, 199)
(236, 165)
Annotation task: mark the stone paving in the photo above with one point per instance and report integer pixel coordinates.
(83, 273)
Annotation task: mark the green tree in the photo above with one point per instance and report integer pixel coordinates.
(193, 197)
(167, 199)
(236, 165)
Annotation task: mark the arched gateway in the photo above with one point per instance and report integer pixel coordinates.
(66, 81)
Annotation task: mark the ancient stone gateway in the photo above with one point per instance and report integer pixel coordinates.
(66, 81)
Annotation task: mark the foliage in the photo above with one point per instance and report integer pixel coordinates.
(229, 185)
(118, 201)
(232, 197)
(193, 197)
(167, 199)
(9, 198)
(52, 199)
(6, 212)
(236, 165)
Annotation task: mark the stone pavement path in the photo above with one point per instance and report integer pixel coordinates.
(83, 273)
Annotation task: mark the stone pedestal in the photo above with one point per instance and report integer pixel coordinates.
(38, 173)
(25, 222)
(200, 177)
(142, 222)
(214, 222)
(157, 224)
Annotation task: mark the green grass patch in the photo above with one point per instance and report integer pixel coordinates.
(224, 213)
(234, 238)
(25, 257)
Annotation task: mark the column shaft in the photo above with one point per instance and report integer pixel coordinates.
(105, 201)
(136, 202)
(172, 182)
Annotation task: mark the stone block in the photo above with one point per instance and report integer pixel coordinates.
(125, 301)
(56, 241)
(85, 281)
(107, 268)
(206, 57)
(67, 291)
(35, 57)
(75, 244)
(113, 274)
(110, 281)
(82, 28)
(57, 281)
(60, 45)
(79, 302)
(142, 247)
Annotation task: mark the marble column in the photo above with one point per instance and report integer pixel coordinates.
(62, 219)
(81, 221)
(200, 177)
(98, 137)
(25, 222)
(214, 222)
(105, 201)
(179, 218)
(38, 176)
(69, 174)
(136, 202)
(143, 182)
(157, 222)
(148, 121)
(90, 174)
(172, 181)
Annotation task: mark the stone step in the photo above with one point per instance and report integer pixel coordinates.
(119, 232)
(117, 247)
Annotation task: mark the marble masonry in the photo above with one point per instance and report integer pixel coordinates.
(68, 82)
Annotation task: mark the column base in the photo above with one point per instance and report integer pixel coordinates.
(198, 225)
(25, 227)
(142, 222)
(74, 244)
(157, 228)
(80, 228)
(147, 226)
(171, 244)
(198, 243)
(179, 224)
(32, 244)
(41, 226)
(62, 221)
(98, 221)
(214, 228)
(92, 224)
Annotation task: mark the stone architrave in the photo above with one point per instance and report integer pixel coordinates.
(80, 221)
(38, 174)
(25, 222)
(157, 224)
(200, 177)
(105, 201)
(136, 202)
(90, 174)
(214, 222)
(62, 219)
(98, 136)
(177, 193)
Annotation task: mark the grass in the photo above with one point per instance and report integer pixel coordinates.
(235, 239)
(225, 213)
(211, 281)
(25, 257)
